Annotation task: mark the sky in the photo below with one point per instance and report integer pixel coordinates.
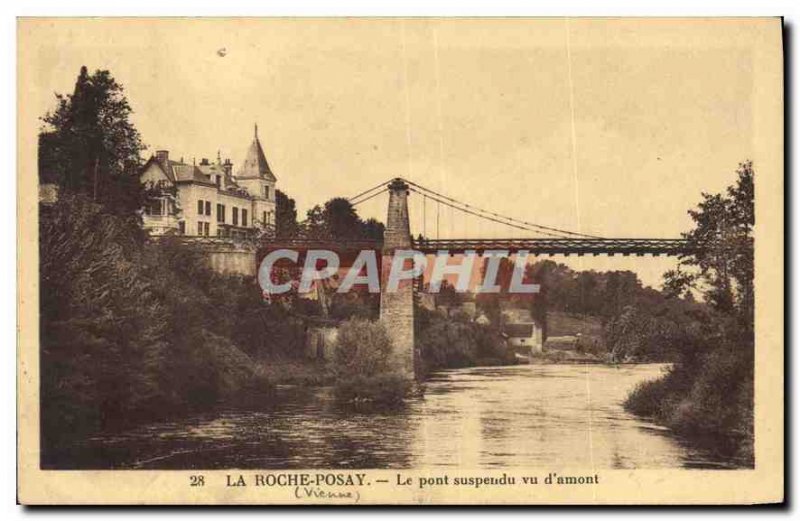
(605, 127)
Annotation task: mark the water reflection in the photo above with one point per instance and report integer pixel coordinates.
(521, 416)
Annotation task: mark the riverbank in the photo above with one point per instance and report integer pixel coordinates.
(564, 357)
(708, 398)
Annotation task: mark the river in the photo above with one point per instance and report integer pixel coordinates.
(487, 417)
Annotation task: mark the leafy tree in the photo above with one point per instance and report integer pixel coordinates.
(89, 145)
(341, 219)
(286, 225)
(315, 227)
(621, 288)
(372, 229)
(721, 264)
(103, 331)
(338, 219)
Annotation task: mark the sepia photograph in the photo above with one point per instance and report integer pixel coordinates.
(396, 260)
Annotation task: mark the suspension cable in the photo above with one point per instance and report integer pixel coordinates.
(424, 215)
(421, 189)
(438, 206)
(364, 200)
(466, 208)
(381, 185)
(470, 212)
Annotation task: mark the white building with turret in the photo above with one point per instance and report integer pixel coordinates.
(209, 199)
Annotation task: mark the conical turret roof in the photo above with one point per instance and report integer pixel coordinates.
(255, 162)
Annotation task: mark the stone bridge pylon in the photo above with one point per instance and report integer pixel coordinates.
(397, 307)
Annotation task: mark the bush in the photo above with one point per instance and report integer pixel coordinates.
(363, 368)
(447, 343)
(708, 393)
(652, 398)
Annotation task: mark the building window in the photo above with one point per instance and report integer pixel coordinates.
(264, 218)
(244, 217)
(266, 192)
(199, 228)
(218, 181)
(182, 227)
(235, 216)
(154, 207)
(199, 207)
(220, 213)
(208, 208)
(206, 227)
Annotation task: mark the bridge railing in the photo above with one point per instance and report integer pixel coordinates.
(571, 246)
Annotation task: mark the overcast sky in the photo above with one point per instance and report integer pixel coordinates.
(610, 128)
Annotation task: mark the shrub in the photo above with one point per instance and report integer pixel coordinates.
(446, 342)
(707, 393)
(362, 366)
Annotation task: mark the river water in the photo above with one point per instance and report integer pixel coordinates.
(487, 417)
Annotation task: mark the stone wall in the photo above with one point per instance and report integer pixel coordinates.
(238, 262)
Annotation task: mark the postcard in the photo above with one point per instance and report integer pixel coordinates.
(400, 261)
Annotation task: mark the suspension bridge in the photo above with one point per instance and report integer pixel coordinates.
(397, 308)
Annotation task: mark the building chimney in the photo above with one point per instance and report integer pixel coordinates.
(162, 156)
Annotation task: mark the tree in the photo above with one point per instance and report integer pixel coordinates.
(285, 216)
(372, 229)
(89, 145)
(341, 219)
(721, 261)
(337, 219)
(621, 289)
(103, 329)
(314, 227)
(709, 388)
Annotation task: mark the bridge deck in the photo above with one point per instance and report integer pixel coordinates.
(579, 247)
